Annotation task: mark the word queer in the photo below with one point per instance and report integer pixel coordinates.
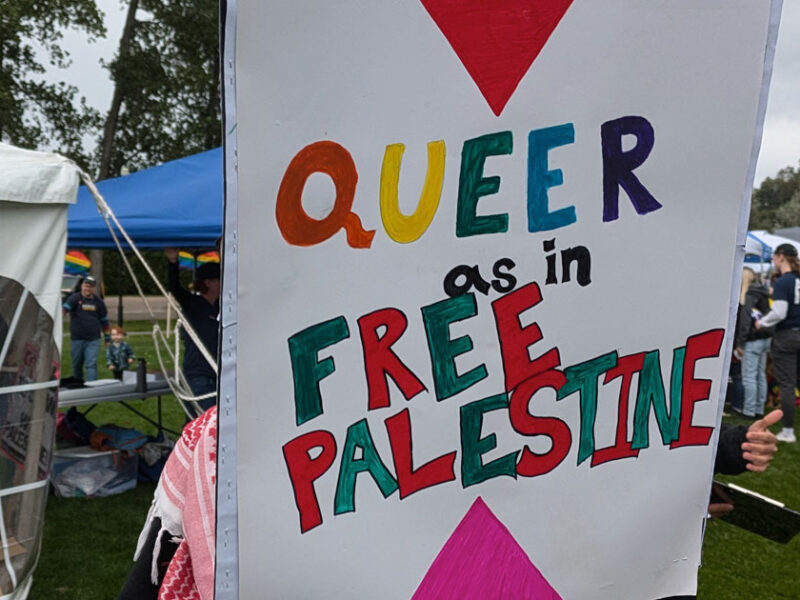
(332, 159)
(310, 455)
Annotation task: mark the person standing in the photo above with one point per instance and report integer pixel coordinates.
(87, 319)
(201, 310)
(119, 354)
(753, 344)
(785, 316)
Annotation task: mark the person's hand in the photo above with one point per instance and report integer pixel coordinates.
(130, 361)
(720, 504)
(172, 254)
(111, 367)
(761, 444)
(719, 509)
(757, 324)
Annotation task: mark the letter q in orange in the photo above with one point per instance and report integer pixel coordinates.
(296, 226)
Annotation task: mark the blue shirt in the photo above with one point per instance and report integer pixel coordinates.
(87, 316)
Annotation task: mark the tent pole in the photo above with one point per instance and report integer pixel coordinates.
(119, 295)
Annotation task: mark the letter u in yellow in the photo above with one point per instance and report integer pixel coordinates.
(408, 228)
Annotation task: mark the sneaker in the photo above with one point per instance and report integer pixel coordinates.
(786, 436)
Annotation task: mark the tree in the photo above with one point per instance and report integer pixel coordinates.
(166, 101)
(771, 208)
(112, 118)
(118, 281)
(34, 113)
(788, 215)
(168, 87)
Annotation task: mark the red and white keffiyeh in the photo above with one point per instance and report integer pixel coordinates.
(185, 501)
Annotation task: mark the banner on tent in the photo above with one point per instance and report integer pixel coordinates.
(35, 190)
(468, 365)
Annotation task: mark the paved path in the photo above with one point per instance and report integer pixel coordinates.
(133, 308)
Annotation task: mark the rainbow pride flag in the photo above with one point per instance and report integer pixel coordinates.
(186, 259)
(76, 263)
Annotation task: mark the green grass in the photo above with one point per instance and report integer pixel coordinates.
(88, 545)
(739, 565)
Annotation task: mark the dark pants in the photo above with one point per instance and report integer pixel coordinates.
(201, 385)
(138, 585)
(785, 350)
(735, 393)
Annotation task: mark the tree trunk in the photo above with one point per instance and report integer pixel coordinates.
(96, 258)
(110, 127)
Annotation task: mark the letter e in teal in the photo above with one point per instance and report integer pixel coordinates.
(472, 185)
(540, 179)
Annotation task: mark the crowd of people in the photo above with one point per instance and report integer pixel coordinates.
(768, 327)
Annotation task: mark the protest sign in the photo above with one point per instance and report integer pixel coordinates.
(479, 268)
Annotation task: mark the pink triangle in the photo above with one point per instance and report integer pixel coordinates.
(483, 561)
(497, 41)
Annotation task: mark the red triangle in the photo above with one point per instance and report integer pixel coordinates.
(497, 41)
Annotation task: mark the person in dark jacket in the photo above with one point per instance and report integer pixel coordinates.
(741, 448)
(785, 317)
(88, 319)
(201, 309)
(753, 344)
(734, 395)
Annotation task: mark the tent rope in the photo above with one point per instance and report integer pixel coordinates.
(178, 383)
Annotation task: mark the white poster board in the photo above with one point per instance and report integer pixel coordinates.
(461, 356)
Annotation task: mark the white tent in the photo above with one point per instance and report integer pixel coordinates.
(35, 191)
(757, 248)
(757, 253)
(772, 240)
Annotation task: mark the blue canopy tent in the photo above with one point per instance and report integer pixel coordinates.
(756, 249)
(179, 203)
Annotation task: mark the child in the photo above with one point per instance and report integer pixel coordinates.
(119, 354)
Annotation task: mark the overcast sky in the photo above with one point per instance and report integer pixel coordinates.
(780, 146)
